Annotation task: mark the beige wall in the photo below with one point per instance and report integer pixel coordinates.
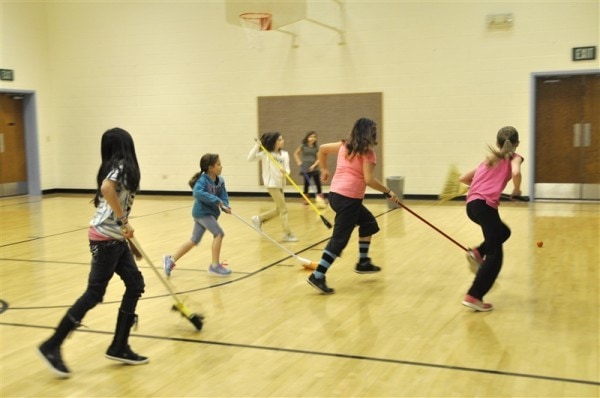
(184, 82)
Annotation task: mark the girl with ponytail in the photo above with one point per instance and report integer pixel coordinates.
(486, 184)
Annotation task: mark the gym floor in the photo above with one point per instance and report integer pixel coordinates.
(401, 332)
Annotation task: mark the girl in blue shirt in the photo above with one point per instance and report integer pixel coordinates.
(210, 199)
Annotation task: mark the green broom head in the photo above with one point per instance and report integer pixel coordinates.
(453, 188)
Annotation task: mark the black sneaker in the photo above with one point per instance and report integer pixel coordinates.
(127, 356)
(54, 360)
(366, 267)
(319, 284)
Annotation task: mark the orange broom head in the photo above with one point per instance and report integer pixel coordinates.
(311, 266)
(453, 188)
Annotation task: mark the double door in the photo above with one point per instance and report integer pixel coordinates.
(567, 137)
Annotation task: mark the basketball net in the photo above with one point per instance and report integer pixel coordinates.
(254, 24)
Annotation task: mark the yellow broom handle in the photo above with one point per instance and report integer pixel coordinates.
(287, 176)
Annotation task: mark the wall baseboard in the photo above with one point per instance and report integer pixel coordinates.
(231, 194)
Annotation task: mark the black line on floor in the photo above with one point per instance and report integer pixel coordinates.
(338, 355)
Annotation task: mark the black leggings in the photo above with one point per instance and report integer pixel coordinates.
(316, 177)
(349, 213)
(109, 258)
(495, 233)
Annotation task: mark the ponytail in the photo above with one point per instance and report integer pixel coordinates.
(507, 140)
(194, 179)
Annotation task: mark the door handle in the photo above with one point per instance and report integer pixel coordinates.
(587, 134)
(1, 142)
(577, 135)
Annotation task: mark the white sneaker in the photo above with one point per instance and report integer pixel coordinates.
(256, 222)
(289, 238)
(475, 260)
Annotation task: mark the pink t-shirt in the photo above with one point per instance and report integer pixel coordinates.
(349, 179)
(489, 182)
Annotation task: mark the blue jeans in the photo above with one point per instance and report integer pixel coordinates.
(109, 258)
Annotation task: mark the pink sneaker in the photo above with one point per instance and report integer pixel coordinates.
(476, 304)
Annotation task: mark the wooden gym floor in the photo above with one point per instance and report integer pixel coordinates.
(402, 332)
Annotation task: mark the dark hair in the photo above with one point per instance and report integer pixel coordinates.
(118, 152)
(362, 137)
(305, 139)
(268, 140)
(507, 140)
(207, 160)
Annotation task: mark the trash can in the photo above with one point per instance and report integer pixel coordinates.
(396, 184)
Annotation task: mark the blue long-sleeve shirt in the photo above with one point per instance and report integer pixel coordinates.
(207, 194)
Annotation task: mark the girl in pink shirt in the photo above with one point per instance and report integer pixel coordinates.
(486, 184)
(354, 171)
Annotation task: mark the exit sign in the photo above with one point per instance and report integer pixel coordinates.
(584, 53)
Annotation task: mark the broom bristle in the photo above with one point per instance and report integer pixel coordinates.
(453, 188)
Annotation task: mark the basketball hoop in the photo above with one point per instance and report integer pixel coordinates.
(254, 23)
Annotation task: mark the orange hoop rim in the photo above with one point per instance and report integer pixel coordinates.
(262, 20)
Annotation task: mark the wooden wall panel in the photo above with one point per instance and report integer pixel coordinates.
(331, 116)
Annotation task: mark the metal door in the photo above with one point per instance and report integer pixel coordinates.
(567, 137)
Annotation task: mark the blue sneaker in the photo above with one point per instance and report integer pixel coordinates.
(219, 269)
(168, 264)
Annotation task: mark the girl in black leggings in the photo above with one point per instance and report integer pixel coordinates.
(486, 184)
(118, 181)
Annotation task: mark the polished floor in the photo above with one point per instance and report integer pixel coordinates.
(267, 333)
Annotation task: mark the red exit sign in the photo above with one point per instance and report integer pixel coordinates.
(584, 53)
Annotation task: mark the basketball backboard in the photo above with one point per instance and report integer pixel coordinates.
(283, 12)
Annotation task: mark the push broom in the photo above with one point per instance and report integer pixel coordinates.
(305, 262)
(325, 221)
(428, 223)
(195, 319)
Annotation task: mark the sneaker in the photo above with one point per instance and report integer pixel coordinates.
(54, 361)
(126, 355)
(366, 267)
(289, 238)
(256, 222)
(476, 304)
(168, 264)
(320, 200)
(475, 260)
(319, 284)
(219, 269)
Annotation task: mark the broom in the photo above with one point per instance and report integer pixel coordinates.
(276, 163)
(453, 188)
(306, 263)
(195, 319)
